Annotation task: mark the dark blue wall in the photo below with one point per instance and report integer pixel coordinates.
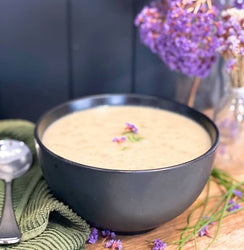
(55, 50)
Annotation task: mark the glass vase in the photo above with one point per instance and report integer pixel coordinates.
(229, 115)
(229, 118)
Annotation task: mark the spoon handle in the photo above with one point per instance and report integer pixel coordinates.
(9, 230)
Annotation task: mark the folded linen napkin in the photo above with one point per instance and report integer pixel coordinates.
(45, 222)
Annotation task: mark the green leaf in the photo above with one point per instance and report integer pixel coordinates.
(130, 138)
(137, 138)
(134, 137)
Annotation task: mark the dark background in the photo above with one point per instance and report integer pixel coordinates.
(55, 50)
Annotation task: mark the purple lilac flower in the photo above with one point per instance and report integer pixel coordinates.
(230, 35)
(237, 193)
(93, 236)
(234, 206)
(239, 4)
(204, 231)
(159, 245)
(230, 64)
(150, 21)
(114, 244)
(185, 41)
(108, 234)
(131, 127)
(119, 139)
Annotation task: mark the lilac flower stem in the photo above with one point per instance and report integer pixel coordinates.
(197, 227)
(193, 91)
(202, 203)
(222, 215)
(217, 215)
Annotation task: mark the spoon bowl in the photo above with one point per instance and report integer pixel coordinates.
(15, 160)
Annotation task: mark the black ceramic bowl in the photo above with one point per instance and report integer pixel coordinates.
(125, 201)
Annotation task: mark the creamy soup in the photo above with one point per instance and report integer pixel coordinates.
(127, 138)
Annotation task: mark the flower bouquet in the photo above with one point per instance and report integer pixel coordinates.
(229, 114)
(185, 41)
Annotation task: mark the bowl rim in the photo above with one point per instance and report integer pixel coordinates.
(100, 96)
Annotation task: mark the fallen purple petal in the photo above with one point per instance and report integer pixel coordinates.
(108, 234)
(159, 245)
(93, 237)
(234, 206)
(114, 244)
(204, 232)
(237, 193)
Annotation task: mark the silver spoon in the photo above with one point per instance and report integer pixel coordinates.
(15, 160)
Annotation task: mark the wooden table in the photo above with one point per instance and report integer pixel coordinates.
(231, 234)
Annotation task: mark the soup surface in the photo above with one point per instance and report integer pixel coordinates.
(126, 138)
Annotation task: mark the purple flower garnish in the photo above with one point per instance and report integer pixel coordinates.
(114, 244)
(108, 234)
(93, 236)
(185, 41)
(234, 206)
(159, 245)
(204, 231)
(119, 140)
(131, 127)
(237, 193)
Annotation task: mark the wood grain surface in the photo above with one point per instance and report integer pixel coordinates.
(231, 235)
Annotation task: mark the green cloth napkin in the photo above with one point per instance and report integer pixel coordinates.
(45, 222)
